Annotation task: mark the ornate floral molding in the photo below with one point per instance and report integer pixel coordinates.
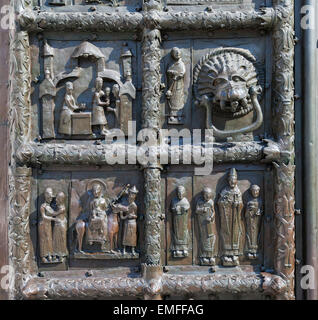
(284, 133)
(37, 154)
(170, 21)
(80, 21)
(153, 213)
(151, 91)
(284, 209)
(22, 259)
(164, 284)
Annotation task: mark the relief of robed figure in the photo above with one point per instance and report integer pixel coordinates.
(253, 215)
(175, 94)
(94, 224)
(180, 234)
(69, 107)
(230, 206)
(128, 211)
(52, 228)
(206, 225)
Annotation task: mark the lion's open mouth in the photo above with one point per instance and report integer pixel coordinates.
(234, 108)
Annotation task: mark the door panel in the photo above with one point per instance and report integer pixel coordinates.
(90, 219)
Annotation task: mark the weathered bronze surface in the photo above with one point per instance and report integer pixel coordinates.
(206, 220)
(175, 92)
(230, 207)
(220, 67)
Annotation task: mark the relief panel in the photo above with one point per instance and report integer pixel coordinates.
(225, 218)
(81, 216)
(222, 85)
(106, 217)
(87, 88)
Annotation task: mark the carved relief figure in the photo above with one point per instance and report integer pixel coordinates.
(128, 214)
(230, 206)
(180, 235)
(205, 218)
(225, 83)
(45, 227)
(69, 106)
(60, 229)
(99, 118)
(253, 215)
(52, 228)
(113, 220)
(117, 109)
(47, 94)
(175, 93)
(96, 224)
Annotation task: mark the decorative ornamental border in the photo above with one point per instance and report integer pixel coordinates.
(265, 18)
(152, 282)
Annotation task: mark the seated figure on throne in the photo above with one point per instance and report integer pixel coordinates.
(96, 224)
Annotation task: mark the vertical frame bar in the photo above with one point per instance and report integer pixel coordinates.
(5, 143)
(310, 145)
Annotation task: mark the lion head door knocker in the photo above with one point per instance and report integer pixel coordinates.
(225, 83)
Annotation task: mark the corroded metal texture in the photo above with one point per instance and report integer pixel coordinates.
(151, 90)
(284, 131)
(22, 259)
(191, 286)
(285, 225)
(80, 21)
(35, 154)
(110, 22)
(152, 245)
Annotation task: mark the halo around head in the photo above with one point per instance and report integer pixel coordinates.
(102, 184)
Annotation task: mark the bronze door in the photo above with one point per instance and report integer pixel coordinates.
(88, 222)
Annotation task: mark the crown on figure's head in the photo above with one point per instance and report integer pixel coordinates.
(133, 190)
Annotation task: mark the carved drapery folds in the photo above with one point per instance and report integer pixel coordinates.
(253, 214)
(206, 222)
(52, 228)
(230, 208)
(105, 226)
(175, 92)
(180, 234)
(223, 215)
